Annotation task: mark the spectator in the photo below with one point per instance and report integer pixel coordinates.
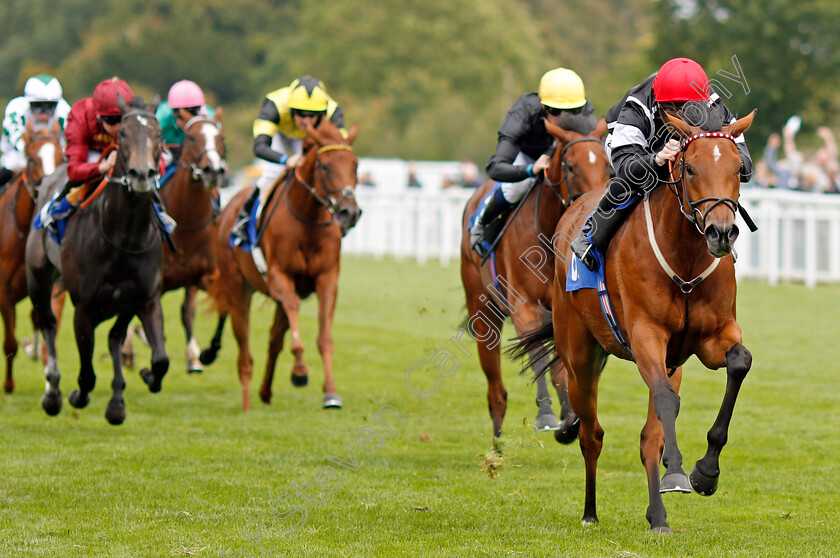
(413, 182)
(826, 158)
(367, 180)
(782, 176)
(470, 177)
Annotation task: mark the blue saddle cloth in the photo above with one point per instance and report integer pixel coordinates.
(250, 228)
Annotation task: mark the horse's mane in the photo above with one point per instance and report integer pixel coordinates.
(326, 132)
(582, 124)
(705, 117)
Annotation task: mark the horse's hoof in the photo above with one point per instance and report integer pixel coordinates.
(300, 381)
(78, 400)
(52, 403)
(331, 402)
(115, 413)
(265, 396)
(208, 356)
(567, 433)
(151, 381)
(587, 521)
(546, 422)
(661, 530)
(703, 484)
(9, 386)
(674, 482)
(195, 368)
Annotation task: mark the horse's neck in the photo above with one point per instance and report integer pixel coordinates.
(681, 244)
(24, 204)
(187, 199)
(126, 216)
(549, 208)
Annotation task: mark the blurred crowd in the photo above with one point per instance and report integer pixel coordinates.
(786, 167)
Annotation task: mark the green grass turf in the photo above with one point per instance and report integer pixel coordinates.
(190, 474)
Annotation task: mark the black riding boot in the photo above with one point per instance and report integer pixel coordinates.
(5, 176)
(496, 207)
(240, 225)
(599, 228)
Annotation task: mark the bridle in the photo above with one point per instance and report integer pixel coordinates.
(196, 172)
(328, 202)
(124, 179)
(691, 209)
(564, 167)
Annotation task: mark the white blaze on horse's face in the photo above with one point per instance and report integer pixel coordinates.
(716, 153)
(210, 132)
(47, 155)
(592, 157)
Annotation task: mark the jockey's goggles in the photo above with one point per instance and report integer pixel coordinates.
(110, 119)
(553, 111)
(43, 107)
(307, 113)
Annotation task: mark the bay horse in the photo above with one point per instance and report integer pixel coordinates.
(188, 198)
(301, 229)
(673, 295)
(111, 263)
(525, 269)
(44, 153)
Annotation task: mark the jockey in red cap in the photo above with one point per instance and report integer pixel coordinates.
(639, 144)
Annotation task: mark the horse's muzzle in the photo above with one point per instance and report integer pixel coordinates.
(347, 217)
(140, 180)
(721, 239)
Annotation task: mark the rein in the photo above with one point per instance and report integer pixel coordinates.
(327, 201)
(565, 174)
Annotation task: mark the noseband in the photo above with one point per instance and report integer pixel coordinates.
(694, 213)
(196, 172)
(327, 201)
(564, 166)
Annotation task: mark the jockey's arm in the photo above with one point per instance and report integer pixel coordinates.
(262, 149)
(500, 166)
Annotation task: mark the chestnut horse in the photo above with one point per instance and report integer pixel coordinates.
(188, 197)
(673, 295)
(44, 153)
(110, 261)
(301, 229)
(525, 269)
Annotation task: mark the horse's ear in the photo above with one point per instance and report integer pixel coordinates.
(740, 126)
(600, 129)
(351, 135)
(678, 126)
(30, 127)
(155, 102)
(218, 114)
(123, 106)
(563, 136)
(56, 126)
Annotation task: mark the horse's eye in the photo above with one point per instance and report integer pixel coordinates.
(688, 170)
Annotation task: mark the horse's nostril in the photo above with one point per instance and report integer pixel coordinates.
(733, 233)
(713, 233)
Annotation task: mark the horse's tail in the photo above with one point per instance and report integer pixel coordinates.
(538, 344)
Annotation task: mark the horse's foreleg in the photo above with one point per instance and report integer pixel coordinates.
(152, 317)
(282, 289)
(704, 476)
(115, 413)
(650, 448)
(239, 314)
(187, 317)
(39, 283)
(275, 345)
(84, 329)
(327, 288)
(10, 345)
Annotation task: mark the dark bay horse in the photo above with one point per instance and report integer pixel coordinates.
(44, 153)
(188, 197)
(111, 263)
(671, 280)
(525, 265)
(303, 223)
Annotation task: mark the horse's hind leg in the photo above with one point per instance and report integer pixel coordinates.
(704, 476)
(84, 341)
(39, 285)
(10, 345)
(187, 317)
(240, 312)
(152, 317)
(275, 345)
(208, 355)
(115, 413)
(546, 419)
(567, 432)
